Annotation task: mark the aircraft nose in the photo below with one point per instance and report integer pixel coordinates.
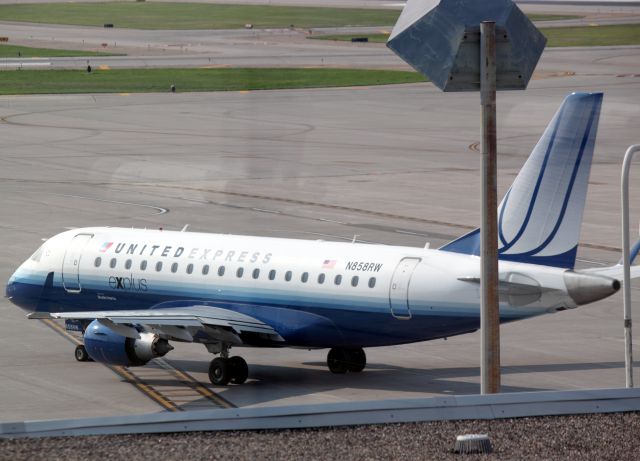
(10, 289)
(22, 294)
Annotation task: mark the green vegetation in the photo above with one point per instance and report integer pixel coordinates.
(624, 34)
(552, 17)
(13, 51)
(144, 15)
(160, 80)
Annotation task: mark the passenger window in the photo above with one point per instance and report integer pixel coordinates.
(158, 266)
(272, 274)
(127, 264)
(143, 265)
(305, 277)
(239, 272)
(321, 279)
(354, 281)
(205, 269)
(372, 282)
(98, 261)
(338, 279)
(287, 276)
(174, 267)
(112, 264)
(256, 273)
(190, 269)
(221, 271)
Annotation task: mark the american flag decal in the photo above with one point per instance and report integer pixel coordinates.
(329, 264)
(105, 246)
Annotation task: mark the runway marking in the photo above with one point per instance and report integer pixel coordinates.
(244, 91)
(125, 94)
(359, 210)
(159, 209)
(174, 389)
(104, 67)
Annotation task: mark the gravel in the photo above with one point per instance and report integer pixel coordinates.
(604, 436)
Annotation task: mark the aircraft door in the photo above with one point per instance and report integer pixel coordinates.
(399, 289)
(71, 263)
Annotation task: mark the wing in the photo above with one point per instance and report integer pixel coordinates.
(207, 323)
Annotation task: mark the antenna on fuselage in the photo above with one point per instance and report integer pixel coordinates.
(355, 236)
(184, 229)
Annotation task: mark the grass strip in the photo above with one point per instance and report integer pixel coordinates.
(146, 15)
(15, 51)
(614, 35)
(222, 79)
(143, 15)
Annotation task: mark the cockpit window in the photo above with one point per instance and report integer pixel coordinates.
(37, 255)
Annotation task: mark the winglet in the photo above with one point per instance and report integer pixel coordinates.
(633, 253)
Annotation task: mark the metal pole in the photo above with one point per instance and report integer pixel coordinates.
(628, 358)
(489, 312)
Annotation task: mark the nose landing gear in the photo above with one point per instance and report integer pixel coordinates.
(81, 354)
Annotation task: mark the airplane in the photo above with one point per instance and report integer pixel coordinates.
(129, 292)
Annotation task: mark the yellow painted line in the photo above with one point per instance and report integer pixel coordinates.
(121, 371)
(243, 91)
(145, 388)
(594, 24)
(62, 331)
(104, 67)
(196, 385)
(124, 94)
(216, 66)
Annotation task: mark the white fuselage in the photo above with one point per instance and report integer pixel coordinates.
(365, 294)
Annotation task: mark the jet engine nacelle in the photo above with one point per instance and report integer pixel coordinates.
(106, 346)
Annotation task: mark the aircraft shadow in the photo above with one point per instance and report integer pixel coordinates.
(379, 380)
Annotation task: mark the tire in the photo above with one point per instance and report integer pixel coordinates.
(239, 370)
(81, 354)
(219, 372)
(337, 361)
(357, 360)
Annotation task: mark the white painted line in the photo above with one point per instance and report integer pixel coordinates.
(25, 64)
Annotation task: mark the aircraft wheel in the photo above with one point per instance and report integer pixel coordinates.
(219, 372)
(357, 360)
(337, 361)
(239, 370)
(81, 354)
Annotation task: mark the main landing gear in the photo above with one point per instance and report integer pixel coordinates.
(224, 370)
(340, 360)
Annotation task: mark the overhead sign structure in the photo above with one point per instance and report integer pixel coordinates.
(442, 41)
(475, 45)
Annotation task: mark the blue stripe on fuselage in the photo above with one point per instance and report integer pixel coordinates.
(303, 322)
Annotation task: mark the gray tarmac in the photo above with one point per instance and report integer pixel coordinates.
(315, 164)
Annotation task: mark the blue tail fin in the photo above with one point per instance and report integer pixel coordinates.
(540, 217)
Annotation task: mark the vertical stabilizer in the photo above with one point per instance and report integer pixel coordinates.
(540, 217)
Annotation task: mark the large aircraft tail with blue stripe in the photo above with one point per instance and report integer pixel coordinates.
(540, 217)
